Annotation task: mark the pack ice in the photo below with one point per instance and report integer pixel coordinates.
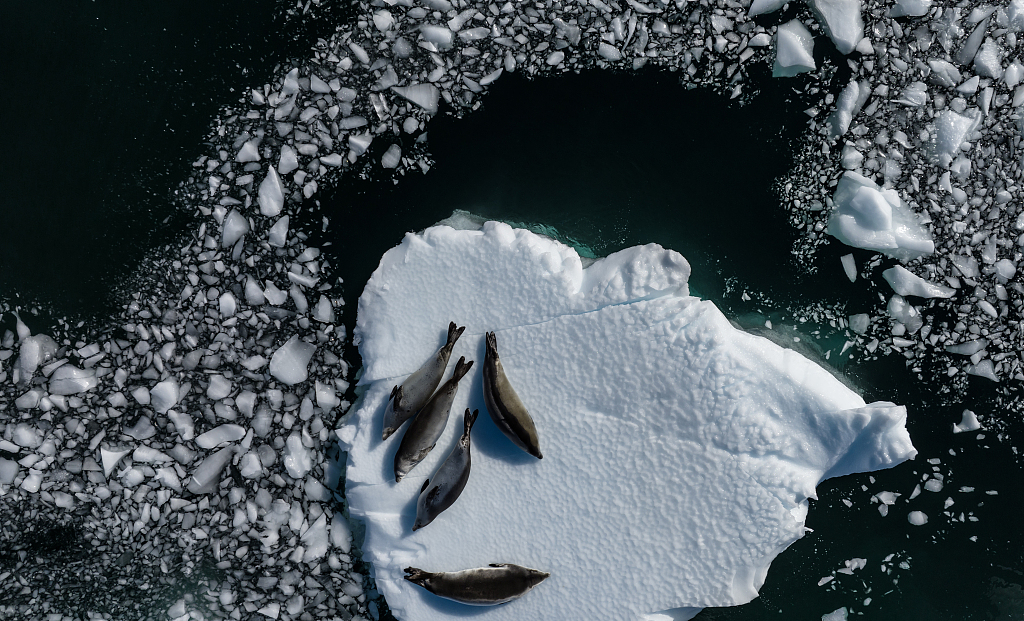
(679, 452)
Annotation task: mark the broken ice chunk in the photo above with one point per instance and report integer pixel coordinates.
(297, 460)
(915, 94)
(70, 380)
(917, 518)
(249, 152)
(289, 362)
(271, 197)
(841, 20)
(383, 20)
(759, 7)
(608, 52)
(234, 228)
(951, 130)
(794, 50)
(33, 352)
(110, 458)
(392, 157)
(289, 160)
(164, 396)
(859, 323)
(423, 95)
(861, 208)
(849, 103)
(910, 8)
(903, 312)
(905, 282)
(849, 266)
(220, 435)
(207, 474)
(968, 422)
(277, 236)
(440, 36)
(988, 61)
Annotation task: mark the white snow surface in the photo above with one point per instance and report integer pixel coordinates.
(678, 451)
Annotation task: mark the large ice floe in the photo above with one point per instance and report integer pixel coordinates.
(679, 452)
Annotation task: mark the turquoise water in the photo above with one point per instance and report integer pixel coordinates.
(602, 161)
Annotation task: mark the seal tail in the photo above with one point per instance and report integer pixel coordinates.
(468, 420)
(492, 344)
(461, 368)
(454, 333)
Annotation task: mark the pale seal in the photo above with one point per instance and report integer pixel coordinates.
(426, 428)
(482, 586)
(415, 391)
(442, 490)
(504, 405)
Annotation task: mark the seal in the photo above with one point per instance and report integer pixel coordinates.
(443, 489)
(429, 424)
(482, 586)
(504, 405)
(406, 400)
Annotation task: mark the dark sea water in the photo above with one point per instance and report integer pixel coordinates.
(109, 102)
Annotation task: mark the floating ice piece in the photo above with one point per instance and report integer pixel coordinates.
(968, 348)
(794, 50)
(440, 36)
(315, 540)
(383, 20)
(27, 436)
(70, 380)
(951, 130)
(759, 7)
(985, 369)
(988, 61)
(910, 8)
(423, 95)
(109, 458)
(149, 455)
(250, 152)
(271, 197)
(289, 362)
(849, 266)
(34, 351)
(905, 282)
(915, 95)
(392, 157)
(207, 474)
(917, 518)
(905, 313)
(297, 460)
(873, 219)
(968, 422)
(235, 227)
(609, 52)
(970, 47)
(1015, 15)
(839, 614)
(289, 160)
(668, 430)
(841, 20)
(848, 104)
(220, 435)
(278, 234)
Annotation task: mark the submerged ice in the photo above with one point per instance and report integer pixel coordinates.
(679, 451)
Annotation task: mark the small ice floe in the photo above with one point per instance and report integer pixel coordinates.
(868, 217)
(794, 50)
(905, 282)
(271, 196)
(910, 8)
(289, 362)
(968, 422)
(917, 518)
(841, 20)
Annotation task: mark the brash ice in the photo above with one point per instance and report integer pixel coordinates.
(679, 452)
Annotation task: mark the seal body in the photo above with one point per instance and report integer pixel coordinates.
(504, 405)
(482, 586)
(443, 489)
(415, 391)
(429, 424)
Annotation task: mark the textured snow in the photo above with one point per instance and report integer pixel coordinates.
(679, 451)
(868, 217)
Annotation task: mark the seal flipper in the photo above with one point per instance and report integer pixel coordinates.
(461, 368)
(454, 333)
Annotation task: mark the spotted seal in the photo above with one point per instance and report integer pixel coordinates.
(415, 391)
(442, 490)
(426, 428)
(482, 586)
(504, 405)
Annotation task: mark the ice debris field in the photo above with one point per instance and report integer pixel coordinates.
(679, 452)
(197, 428)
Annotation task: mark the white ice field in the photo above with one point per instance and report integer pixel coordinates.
(679, 452)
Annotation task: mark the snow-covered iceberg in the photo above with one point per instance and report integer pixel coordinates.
(679, 452)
